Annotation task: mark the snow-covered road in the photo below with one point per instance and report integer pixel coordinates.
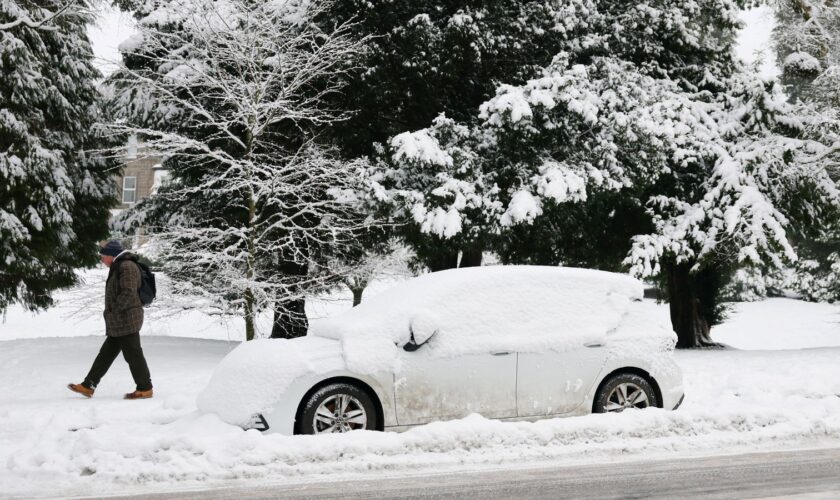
(54, 443)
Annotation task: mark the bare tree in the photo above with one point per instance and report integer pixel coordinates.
(389, 262)
(233, 94)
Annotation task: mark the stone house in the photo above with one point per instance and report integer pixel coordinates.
(141, 175)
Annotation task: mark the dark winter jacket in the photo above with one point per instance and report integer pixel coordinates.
(123, 309)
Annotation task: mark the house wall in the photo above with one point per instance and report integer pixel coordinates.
(143, 168)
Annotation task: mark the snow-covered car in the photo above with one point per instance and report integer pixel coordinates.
(506, 342)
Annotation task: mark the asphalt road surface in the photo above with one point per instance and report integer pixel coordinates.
(811, 474)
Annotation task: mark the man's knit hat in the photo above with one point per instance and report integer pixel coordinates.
(112, 248)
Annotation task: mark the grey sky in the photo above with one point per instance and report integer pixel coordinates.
(112, 28)
(754, 42)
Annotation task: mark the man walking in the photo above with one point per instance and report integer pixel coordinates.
(123, 320)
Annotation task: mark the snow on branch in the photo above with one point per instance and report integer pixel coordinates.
(234, 98)
(718, 173)
(20, 16)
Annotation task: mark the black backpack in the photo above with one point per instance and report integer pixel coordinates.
(147, 290)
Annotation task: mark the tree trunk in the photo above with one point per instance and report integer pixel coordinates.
(290, 312)
(443, 261)
(471, 258)
(249, 314)
(289, 319)
(251, 259)
(357, 295)
(687, 317)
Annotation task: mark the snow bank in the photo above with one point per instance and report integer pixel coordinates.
(78, 311)
(484, 309)
(737, 401)
(254, 376)
(780, 324)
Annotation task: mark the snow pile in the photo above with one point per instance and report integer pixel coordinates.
(55, 443)
(253, 377)
(481, 310)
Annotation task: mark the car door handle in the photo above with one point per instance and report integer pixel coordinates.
(501, 353)
(593, 344)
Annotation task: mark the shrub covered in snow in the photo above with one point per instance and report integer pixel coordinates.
(801, 62)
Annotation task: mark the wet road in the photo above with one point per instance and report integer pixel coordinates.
(811, 474)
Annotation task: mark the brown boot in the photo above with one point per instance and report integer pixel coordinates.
(79, 388)
(139, 394)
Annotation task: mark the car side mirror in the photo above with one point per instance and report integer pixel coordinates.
(421, 330)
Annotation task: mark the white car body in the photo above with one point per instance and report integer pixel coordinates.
(506, 342)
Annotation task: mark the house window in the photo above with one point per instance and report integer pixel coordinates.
(129, 189)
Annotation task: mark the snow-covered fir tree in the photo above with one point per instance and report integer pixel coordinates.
(233, 93)
(806, 38)
(807, 42)
(427, 57)
(648, 126)
(54, 196)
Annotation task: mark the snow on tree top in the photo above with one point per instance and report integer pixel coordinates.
(802, 61)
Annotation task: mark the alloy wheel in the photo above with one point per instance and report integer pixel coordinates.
(626, 395)
(339, 413)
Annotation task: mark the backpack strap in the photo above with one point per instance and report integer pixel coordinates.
(119, 270)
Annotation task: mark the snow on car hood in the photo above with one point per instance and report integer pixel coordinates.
(253, 377)
(484, 309)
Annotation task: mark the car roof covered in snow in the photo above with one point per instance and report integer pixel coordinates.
(482, 309)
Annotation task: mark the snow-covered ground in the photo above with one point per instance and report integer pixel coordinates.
(778, 388)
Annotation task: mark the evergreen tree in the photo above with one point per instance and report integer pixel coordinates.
(428, 57)
(654, 131)
(54, 196)
(807, 42)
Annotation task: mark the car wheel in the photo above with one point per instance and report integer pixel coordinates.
(623, 391)
(338, 407)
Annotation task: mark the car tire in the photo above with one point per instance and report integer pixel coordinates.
(624, 391)
(323, 413)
